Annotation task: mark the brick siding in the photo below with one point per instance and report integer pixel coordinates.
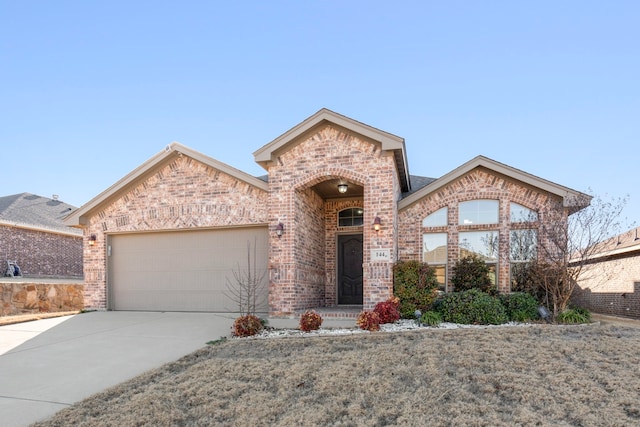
(477, 184)
(181, 194)
(611, 286)
(40, 253)
(329, 153)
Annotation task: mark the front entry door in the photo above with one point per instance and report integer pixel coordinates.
(350, 269)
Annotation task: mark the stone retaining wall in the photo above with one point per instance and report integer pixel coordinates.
(27, 297)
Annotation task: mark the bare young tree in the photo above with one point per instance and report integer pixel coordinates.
(569, 241)
(248, 284)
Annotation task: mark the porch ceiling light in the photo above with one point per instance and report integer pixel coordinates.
(377, 223)
(279, 229)
(342, 188)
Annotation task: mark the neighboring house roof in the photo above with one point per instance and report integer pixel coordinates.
(171, 151)
(389, 142)
(572, 199)
(34, 212)
(626, 244)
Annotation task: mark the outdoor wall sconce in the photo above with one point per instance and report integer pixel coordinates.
(377, 222)
(279, 229)
(342, 188)
(92, 239)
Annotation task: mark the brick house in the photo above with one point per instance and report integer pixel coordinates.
(337, 208)
(33, 234)
(610, 283)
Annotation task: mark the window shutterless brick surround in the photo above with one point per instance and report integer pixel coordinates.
(477, 184)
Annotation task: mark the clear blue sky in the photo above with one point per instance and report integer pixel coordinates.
(91, 89)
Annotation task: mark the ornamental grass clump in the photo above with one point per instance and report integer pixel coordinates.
(388, 310)
(368, 321)
(430, 318)
(247, 326)
(310, 321)
(575, 316)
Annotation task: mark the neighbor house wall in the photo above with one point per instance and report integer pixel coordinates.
(611, 286)
(41, 253)
(479, 183)
(180, 194)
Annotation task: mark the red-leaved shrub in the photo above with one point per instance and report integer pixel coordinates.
(368, 321)
(246, 326)
(387, 311)
(310, 321)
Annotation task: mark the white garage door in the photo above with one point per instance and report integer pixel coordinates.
(184, 270)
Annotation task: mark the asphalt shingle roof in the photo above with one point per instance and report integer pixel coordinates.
(417, 182)
(41, 212)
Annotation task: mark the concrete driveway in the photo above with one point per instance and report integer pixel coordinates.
(90, 352)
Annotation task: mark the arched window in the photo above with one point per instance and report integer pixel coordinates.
(521, 213)
(436, 219)
(478, 212)
(350, 217)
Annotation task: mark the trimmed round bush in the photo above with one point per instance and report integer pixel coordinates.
(246, 326)
(310, 321)
(520, 306)
(472, 307)
(387, 311)
(368, 321)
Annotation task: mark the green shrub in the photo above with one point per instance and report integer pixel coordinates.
(520, 306)
(387, 311)
(368, 321)
(525, 278)
(310, 321)
(431, 318)
(415, 285)
(574, 316)
(471, 272)
(471, 307)
(246, 326)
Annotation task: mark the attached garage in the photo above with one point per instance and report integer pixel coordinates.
(183, 270)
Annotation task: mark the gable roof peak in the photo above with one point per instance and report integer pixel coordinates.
(572, 199)
(389, 142)
(172, 150)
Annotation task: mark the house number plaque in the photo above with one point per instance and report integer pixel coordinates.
(380, 255)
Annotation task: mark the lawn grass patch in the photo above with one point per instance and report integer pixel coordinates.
(533, 375)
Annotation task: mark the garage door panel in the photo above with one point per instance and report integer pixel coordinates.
(183, 271)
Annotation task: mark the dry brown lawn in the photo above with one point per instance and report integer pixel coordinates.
(542, 375)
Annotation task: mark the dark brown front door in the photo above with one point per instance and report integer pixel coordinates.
(350, 269)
